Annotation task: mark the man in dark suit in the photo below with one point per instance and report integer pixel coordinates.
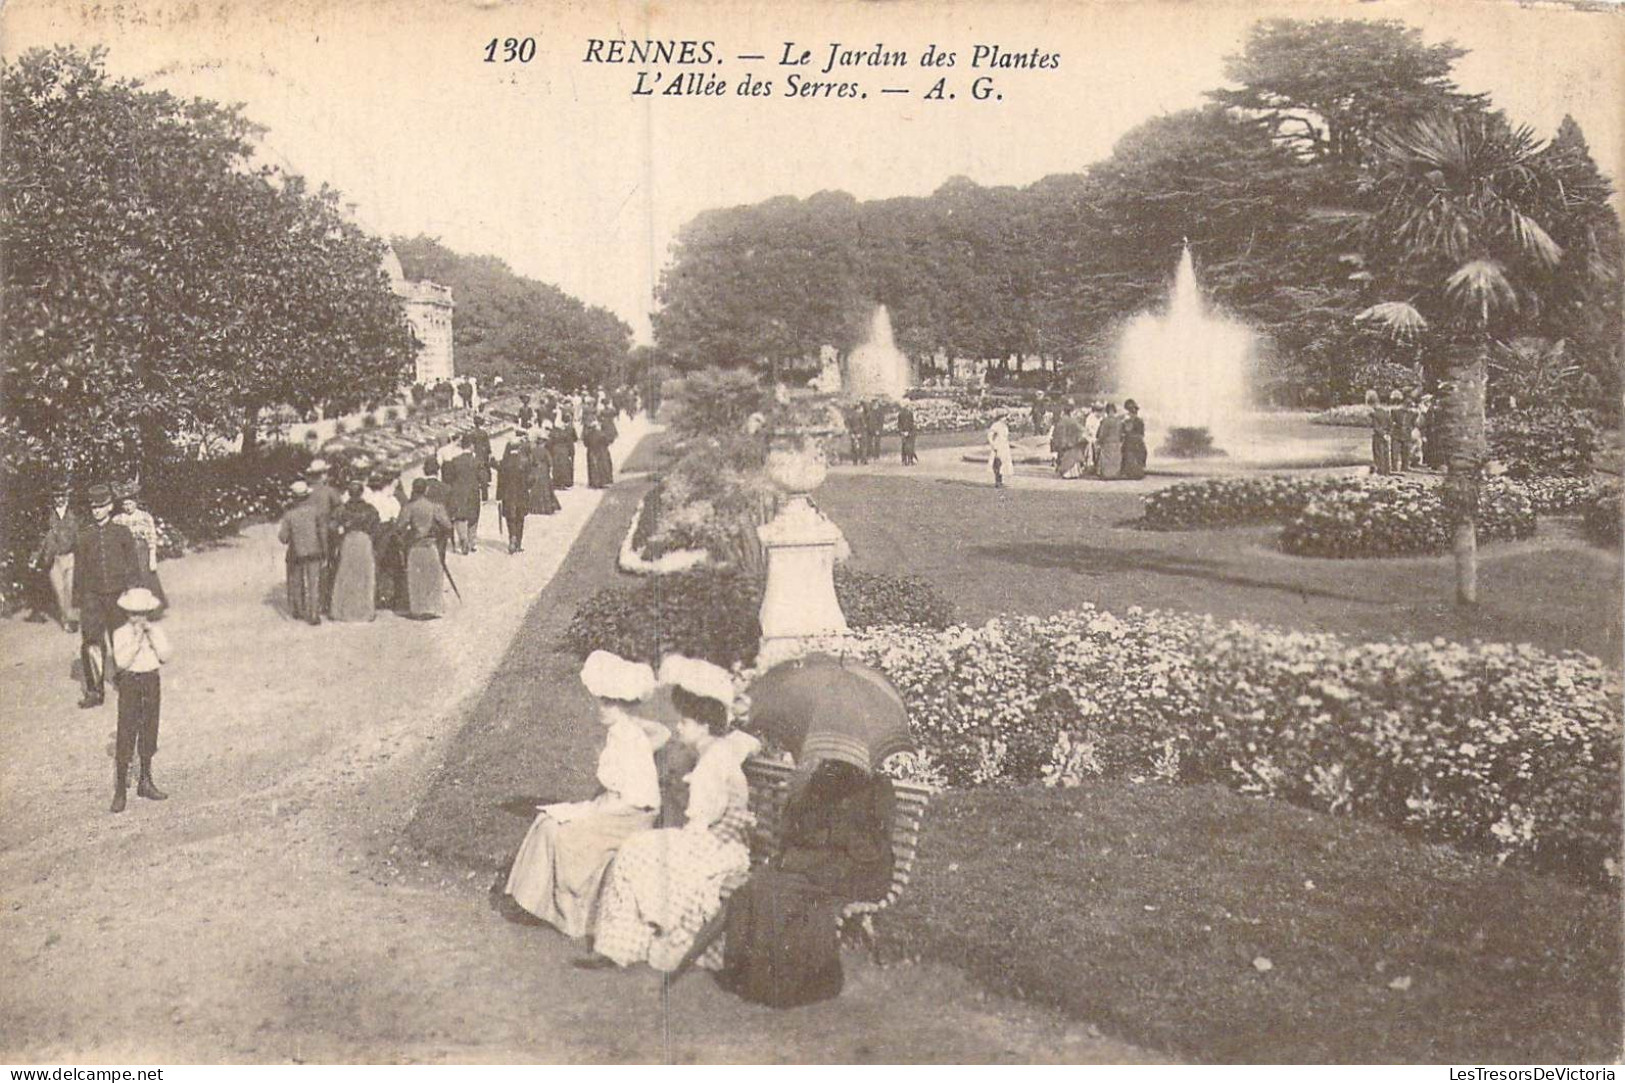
(513, 489)
(905, 429)
(463, 495)
(107, 562)
(482, 455)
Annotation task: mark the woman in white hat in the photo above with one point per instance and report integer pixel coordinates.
(561, 865)
(666, 884)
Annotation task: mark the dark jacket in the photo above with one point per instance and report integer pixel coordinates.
(61, 534)
(513, 478)
(107, 560)
(462, 481)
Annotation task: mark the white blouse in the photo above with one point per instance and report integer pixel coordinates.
(717, 782)
(626, 766)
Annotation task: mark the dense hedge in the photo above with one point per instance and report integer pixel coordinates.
(711, 613)
(1502, 749)
(1544, 440)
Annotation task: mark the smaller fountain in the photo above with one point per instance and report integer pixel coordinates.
(878, 367)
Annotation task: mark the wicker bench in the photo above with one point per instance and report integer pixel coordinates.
(770, 783)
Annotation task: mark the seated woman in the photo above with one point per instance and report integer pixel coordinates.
(561, 865)
(666, 884)
(782, 943)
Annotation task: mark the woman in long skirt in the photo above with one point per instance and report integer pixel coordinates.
(665, 885)
(543, 500)
(423, 523)
(560, 868)
(355, 584)
(1110, 440)
(599, 469)
(1134, 454)
(139, 522)
(562, 445)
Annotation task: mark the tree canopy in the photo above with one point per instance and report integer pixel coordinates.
(509, 325)
(159, 288)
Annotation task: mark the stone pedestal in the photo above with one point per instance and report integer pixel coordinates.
(799, 605)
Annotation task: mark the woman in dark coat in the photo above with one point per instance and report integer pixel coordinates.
(783, 937)
(562, 446)
(1133, 441)
(600, 470)
(543, 501)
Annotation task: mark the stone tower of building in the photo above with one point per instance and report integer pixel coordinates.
(428, 309)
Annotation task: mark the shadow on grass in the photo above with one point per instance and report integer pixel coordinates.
(1098, 561)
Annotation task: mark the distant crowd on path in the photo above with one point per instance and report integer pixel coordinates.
(369, 543)
(1399, 430)
(866, 425)
(1101, 444)
(642, 868)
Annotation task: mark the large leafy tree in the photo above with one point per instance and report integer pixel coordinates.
(1460, 236)
(1324, 85)
(158, 288)
(510, 325)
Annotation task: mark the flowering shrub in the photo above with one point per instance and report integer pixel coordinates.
(1502, 749)
(1543, 440)
(1399, 517)
(1355, 415)
(1238, 501)
(713, 497)
(950, 415)
(1558, 495)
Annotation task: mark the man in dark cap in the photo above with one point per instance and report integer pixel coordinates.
(107, 562)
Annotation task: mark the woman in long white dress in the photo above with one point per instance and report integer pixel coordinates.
(999, 456)
(666, 884)
(560, 868)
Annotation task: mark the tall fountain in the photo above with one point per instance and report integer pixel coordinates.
(1185, 365)
(878, 367)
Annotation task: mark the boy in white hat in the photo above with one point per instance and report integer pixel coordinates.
(560, 868)
(139, 648)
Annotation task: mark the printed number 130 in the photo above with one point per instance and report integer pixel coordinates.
(511, 49)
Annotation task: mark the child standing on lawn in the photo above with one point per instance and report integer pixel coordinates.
(139, 648)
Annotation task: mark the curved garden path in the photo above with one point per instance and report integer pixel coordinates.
(273, 910)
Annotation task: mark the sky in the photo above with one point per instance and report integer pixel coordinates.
(556, 166)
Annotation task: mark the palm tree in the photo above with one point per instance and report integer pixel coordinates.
(1457, 203)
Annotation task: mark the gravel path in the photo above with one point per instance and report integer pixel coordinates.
(272, 911)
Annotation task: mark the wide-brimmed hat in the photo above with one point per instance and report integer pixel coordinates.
(138, 600)
(609, 676)
(99, 495)
(125, 490)
(61, 487)
(317, 466)
(299, 488)
(698, 677)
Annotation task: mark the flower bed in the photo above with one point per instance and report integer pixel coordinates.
(949, 415)
(1238, 501)
(1559, 496)
(1354, 415)
(1399, 517)
(1505, 750)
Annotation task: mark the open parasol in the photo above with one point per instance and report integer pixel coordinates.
(829, 707)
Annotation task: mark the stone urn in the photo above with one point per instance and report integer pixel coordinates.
(799, 604)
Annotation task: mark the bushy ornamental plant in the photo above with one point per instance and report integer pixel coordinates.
(1602, 517)
(1544, 440)
(1249, 500)
(1399, 518)
(1507, 750)
(711, 613)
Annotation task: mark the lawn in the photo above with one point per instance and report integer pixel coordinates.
(1141, 908)
(1147, 909)
(1032, 551)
